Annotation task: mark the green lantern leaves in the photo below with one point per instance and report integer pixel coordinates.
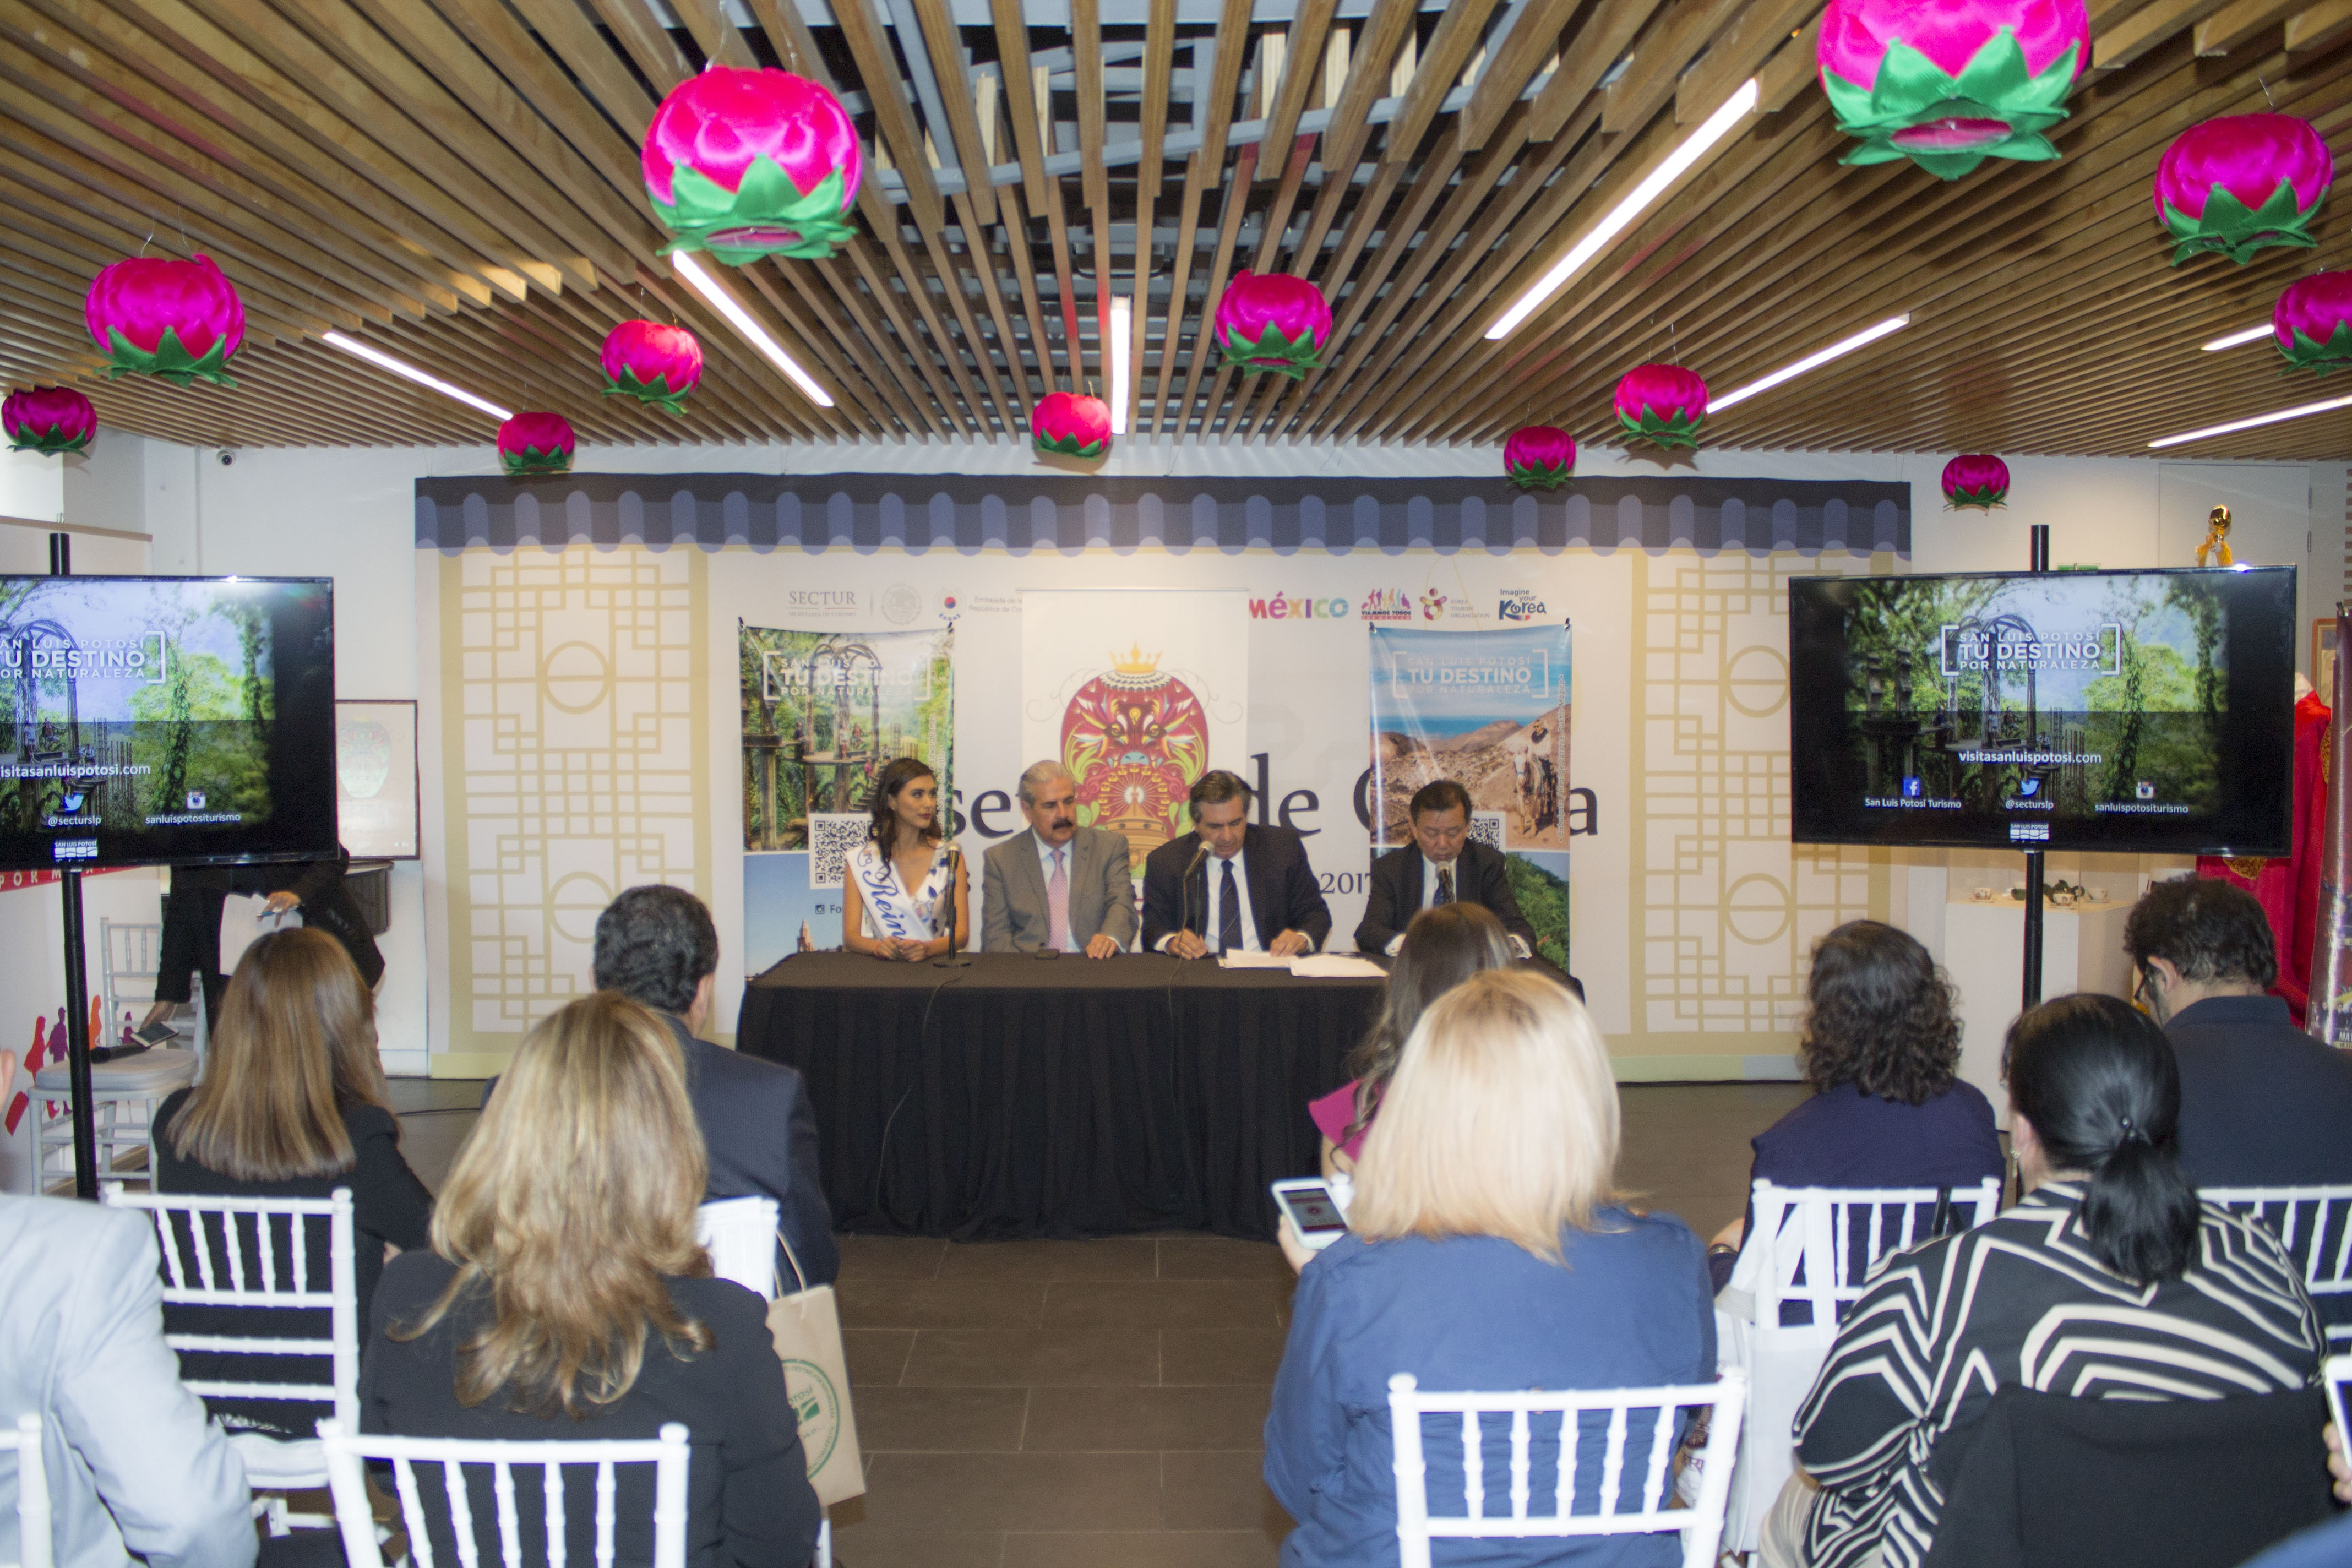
(766, 216)
(2230, 229)
(1948, 125)
(171, 361)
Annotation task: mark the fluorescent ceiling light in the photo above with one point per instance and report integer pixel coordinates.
(750, 330)
(383, 361)
(2234, 339)
(2298, 412)
(1121, 330)
(1735, 108)
(1810, 361)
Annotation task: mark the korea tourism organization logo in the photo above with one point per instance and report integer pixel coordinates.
(1433, 604)
(1520, 604)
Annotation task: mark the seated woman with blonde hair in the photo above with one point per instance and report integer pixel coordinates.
(1487, 1251)
(565, 1297)
(293, 1105)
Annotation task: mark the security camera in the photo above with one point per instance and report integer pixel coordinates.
(226, 457)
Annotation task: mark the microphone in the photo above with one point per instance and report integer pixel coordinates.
(1199, 854)
(951, 959)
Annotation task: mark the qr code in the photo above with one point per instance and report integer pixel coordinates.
(1486, 827)
(832, 836)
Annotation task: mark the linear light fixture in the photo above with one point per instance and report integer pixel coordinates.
(746, 328)
(2234, 339)
(1735, 108)
(383, 361)
(1838, 350)
(2298, 413)
(1121, 329)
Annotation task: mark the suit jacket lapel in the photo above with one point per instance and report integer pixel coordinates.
(1083, 915)
(1413, 872)
(1034, 875)
(1262, 909)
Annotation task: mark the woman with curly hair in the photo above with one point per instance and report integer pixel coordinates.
(1882, 1050)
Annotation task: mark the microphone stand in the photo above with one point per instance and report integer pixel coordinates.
(1198, 855)
(952, 959)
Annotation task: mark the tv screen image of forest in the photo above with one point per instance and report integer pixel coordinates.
(150, 719)
(2147, 712)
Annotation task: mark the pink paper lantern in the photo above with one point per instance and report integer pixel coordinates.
(1976, 479)
(2241, 183)
(1662, 403)
(747, 163)
(1071, 424)
(1540, 457)
(1272, 322)
(157, 316)
(536, 442)
(1950, 83)
(2311, 321)
(50, 419)
(653, 364)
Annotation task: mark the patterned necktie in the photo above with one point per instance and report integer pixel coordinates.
(1444, 887)
(1057, 905)
(1229, 913)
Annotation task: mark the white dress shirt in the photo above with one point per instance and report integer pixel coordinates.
(1214, 869)
(1069, 854)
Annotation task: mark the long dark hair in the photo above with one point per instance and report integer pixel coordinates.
(897, 775)
(1879, 1017)
(1443, 947)
(2097, 1080)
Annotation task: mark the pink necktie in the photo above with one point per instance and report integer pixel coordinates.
(1057, 905)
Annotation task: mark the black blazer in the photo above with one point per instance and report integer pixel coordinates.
(1479, 877)
(748, 1497)
(1283, 893)
(759, 1132)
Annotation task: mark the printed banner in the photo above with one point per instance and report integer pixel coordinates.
(1490, 710)
(2329, 1016)
(1139, 694)
(824, 712)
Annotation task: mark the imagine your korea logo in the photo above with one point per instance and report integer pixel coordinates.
(1520, 604)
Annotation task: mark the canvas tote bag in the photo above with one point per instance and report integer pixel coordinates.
(806, 1326)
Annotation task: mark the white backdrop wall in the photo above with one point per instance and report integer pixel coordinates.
(347, 513)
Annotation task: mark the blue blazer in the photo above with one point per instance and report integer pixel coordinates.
(1631, 1308)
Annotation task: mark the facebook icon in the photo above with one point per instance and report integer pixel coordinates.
(1912, 789)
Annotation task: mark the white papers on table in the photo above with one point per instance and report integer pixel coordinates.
(1335, 966)
(1308, 965)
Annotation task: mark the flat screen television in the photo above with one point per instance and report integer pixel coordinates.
(2143, 712)
(166, 719)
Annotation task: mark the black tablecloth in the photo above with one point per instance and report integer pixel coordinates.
(1069, 1097)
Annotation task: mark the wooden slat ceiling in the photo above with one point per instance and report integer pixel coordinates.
(457, 182)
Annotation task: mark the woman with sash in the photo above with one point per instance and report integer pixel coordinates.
(896, 882)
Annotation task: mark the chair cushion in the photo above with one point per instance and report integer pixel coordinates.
(156, 1072)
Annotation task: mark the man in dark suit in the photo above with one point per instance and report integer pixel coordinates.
(656, 945)
(1442, 865)
(1057, 885)
(2262, 1103)
(1229, 885)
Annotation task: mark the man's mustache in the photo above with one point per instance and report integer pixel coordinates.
(1061, 822)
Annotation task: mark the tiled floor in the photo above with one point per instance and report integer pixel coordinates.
(1083, 1404)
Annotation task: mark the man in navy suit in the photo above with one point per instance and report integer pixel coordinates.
(1442, 865)
(1230, 885)
(657, 945)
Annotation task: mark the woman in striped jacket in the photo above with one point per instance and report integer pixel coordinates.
(2109, 1279)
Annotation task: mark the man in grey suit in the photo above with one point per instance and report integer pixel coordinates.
(1059, 885)
(133, 1465)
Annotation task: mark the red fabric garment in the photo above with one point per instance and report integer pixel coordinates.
(2288, 890)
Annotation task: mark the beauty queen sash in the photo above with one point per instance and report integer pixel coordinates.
(888, 911)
